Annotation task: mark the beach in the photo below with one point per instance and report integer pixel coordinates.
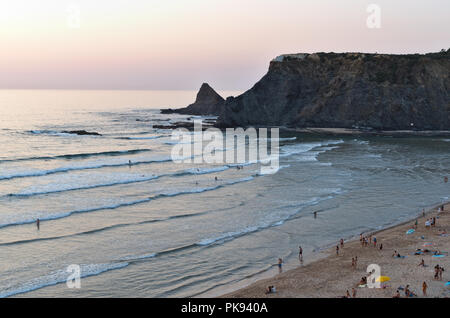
(334, 275)
(158, 228)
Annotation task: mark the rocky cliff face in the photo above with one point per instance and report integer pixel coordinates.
(385, 92)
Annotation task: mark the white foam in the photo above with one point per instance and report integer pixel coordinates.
(59, 277)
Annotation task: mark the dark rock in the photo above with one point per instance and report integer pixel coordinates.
(168, 111)
(81, 133)
(208, 102)
(186, 125)
(374, 91)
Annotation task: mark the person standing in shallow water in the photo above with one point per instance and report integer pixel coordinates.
(300, 254)
(280, 265)
(38, 224)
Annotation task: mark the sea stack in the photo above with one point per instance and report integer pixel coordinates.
(208, 102)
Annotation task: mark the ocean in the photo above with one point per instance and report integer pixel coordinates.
(156, 228)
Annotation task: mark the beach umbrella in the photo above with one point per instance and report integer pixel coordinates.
(383, 279)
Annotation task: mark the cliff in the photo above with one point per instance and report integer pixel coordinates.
(348, 90)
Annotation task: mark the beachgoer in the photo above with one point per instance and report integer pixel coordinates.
(407, 292)
(397, 294)
(342, 242)
(337, 249)
(381, 247)
(300, 254)
(348, 294)
(424, 288)
(38, 224)
(216, 179)
(374, 241)
(315, 214)
(363, 280)
(354, 293)
(422, 263)
(436, 272)
(280, 264)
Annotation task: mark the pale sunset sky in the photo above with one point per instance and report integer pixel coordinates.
(178, 44)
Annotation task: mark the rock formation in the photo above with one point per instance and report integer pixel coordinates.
(208, 102)
(349, 90)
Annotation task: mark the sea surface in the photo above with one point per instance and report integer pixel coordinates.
(156, 228)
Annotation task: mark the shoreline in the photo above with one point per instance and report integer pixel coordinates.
(318, 278)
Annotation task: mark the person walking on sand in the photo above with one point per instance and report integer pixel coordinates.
(348, 294)
(424, 288)
(38, 224)
(342, 243)
(374, 241)
(354, 292)
(337, 249)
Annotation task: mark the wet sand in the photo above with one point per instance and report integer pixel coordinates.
(333, 275)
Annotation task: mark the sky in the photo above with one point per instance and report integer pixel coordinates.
(179, 44)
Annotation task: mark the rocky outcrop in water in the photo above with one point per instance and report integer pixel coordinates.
(208, 102)
(348, 90)
(81, 133)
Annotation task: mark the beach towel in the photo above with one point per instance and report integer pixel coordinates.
(439, 255)
(410, 231)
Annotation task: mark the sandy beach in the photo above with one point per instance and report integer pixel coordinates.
(334, 275)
